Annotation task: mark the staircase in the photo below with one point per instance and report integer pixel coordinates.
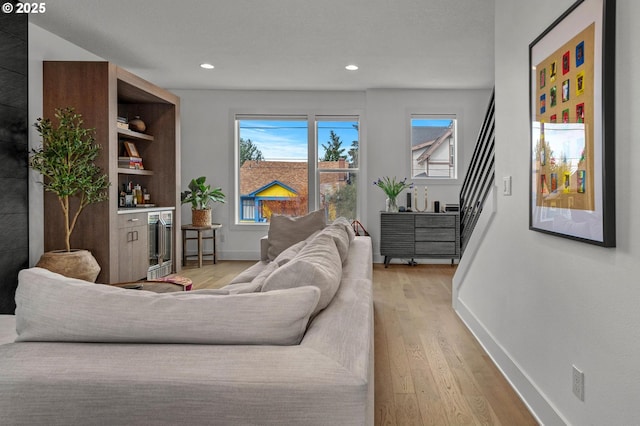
(479, 178)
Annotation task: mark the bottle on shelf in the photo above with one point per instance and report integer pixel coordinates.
(137, 190)
(127, 189)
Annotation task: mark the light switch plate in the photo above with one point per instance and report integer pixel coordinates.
(506, 185)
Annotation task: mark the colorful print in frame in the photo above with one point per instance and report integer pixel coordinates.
(578, 201)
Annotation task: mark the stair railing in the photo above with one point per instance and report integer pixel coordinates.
(479, 178)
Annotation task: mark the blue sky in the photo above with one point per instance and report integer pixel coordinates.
(287, 140)
(430, 122)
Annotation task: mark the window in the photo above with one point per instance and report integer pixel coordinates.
(293, 164)
(433, 146)
(338, 148)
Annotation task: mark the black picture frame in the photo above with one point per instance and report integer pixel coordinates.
(572, 156)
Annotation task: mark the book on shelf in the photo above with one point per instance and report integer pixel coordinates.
(130, 163)
(123, 123)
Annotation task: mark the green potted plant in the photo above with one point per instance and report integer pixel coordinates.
(200, 195)
(392, 188)
(66, 161)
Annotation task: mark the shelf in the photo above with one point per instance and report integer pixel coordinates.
(124, 171)
(135, 135)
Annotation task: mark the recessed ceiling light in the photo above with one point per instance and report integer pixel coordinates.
(351, 67)
(207, 66)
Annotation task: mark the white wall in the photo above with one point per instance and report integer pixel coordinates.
(207, 147)
(388, 144)
(540, 303)
(43, 46)
(207, 143)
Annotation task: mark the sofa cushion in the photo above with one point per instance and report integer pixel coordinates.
(285, 231)
(50, 307)
(250, 273)
(242, 288)
(7, 329)
(289, 253)
(255, 284)
(343, 221)
(318, 264)
(340, 238)
(209, 291)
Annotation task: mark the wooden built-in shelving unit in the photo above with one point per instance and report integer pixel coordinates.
(102, 92)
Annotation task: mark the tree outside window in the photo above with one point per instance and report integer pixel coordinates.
(274, 166)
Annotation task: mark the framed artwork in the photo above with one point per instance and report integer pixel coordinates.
(572, 184)
(130, 147)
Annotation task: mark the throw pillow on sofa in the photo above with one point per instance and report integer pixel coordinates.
(50, 307)
(285, 231)
(318, 264)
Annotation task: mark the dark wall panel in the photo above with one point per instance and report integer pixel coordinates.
(14, 205)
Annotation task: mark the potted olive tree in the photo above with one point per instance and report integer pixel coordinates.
(66, 161)
(200, 195)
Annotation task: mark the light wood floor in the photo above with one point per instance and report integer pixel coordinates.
(429, 369)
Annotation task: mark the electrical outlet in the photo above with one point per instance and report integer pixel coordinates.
(578, 383)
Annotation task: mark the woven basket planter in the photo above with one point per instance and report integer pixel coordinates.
(201, 217)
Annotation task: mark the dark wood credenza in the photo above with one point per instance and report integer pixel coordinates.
(413, 235)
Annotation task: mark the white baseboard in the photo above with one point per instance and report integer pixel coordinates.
(532, 397)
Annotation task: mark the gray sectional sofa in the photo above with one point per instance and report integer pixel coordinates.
(81, 353)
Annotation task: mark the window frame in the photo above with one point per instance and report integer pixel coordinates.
(412, 114)
(314, 171)
(347, 118)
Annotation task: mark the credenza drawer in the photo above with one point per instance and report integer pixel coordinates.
(435, 234)
(435, 221)
(129, 220)
(436, 248)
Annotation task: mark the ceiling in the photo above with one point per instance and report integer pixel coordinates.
(286, 44)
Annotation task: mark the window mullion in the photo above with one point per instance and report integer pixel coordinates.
(313, 161)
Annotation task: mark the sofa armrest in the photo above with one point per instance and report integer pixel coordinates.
(264, 248)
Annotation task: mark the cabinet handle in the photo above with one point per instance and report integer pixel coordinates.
(135, 235)
(133, 220)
